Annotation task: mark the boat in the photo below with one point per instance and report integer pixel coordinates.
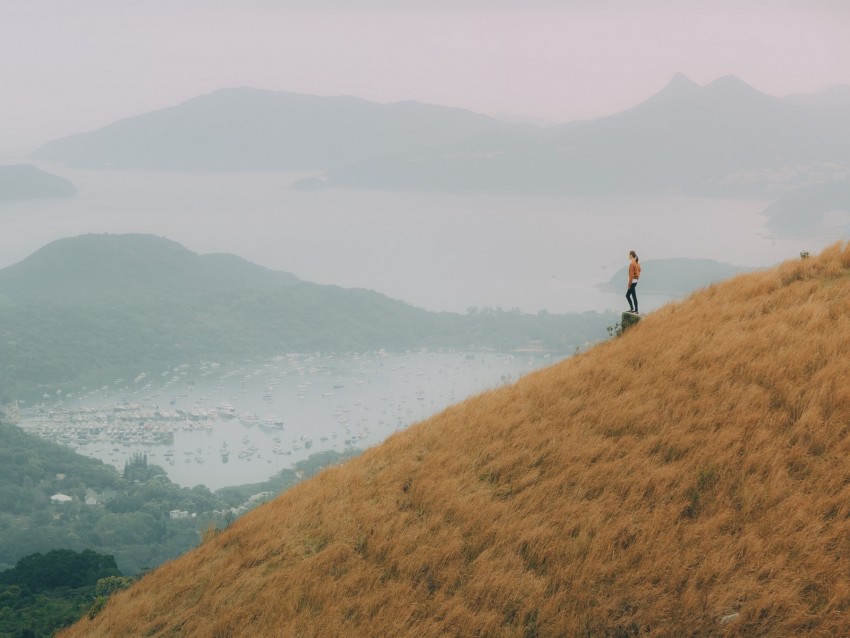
(271, 421)
(226, 410)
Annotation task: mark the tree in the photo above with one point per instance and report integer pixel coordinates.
(60, 568)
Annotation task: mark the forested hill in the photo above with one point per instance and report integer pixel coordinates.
(125, 515)
(129, 521)
(48, 563)
(688, 478)
(143, 269)
(94, 308)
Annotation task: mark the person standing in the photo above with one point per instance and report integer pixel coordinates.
(634, 275)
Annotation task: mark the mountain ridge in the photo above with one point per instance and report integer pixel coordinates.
(694, 485)
(245, 129)
(157, 264)
(718, 139)
(724, 138)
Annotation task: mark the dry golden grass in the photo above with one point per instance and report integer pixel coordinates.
(694, 468)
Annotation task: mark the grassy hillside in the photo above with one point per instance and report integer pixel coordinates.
(689, 478)
(90, 309)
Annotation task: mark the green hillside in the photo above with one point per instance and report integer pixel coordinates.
(130, 521)
(129, 515)
(89, 309)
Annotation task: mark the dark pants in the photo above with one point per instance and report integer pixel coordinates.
(632, 296)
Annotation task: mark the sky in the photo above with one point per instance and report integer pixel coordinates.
(69, 66)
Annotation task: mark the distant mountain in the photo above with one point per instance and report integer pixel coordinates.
(723, 138)
(23, 181)
(833, 96)
(821, 208)
(244, 129)
(89, 309)
(528, 120)
(674, 276)
(145, 269)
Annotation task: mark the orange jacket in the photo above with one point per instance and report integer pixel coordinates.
(634, 271)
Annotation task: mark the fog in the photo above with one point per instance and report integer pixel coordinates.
(443, 252)
(490, 154)
(68, 67)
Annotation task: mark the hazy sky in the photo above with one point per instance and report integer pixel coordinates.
(68, 66)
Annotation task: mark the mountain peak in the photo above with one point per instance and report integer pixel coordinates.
(680, 87)
(729, 80)
(140, 265)
(727, 90)
(732, 85)
(680, 82)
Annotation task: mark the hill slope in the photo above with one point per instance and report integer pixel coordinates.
(693, 485)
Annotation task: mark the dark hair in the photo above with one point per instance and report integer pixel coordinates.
(634, 254)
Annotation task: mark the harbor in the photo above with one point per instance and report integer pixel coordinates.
(220, 425)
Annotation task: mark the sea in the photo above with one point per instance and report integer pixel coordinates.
(438, 251)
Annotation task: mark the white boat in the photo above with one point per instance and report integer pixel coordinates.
(271, 421)
(226, 410)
